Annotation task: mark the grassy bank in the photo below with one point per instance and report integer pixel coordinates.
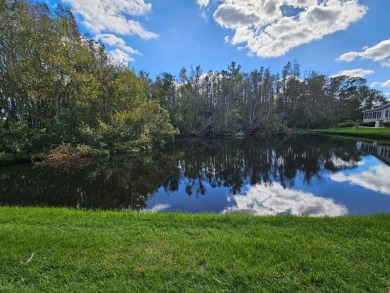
(57, 250)
(370, 132)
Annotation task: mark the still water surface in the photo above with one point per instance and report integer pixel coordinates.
(303, 175)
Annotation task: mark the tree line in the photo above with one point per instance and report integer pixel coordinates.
(232, 101)
(59, 86)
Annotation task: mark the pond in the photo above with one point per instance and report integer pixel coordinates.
(302, 175)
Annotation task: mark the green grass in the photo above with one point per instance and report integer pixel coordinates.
(371, 132)
(59, 250)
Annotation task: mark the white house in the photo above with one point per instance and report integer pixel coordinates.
(377, 115)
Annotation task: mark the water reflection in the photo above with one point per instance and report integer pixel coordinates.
(158, 208)
(275, 200)
(234, 164)
(376, 178)
(111, 183)
(199, 176)
(382, 152)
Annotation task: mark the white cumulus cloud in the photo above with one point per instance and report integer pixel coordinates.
(355, 72)
(379, 53)
(350, 56)
(117, 56)
(203, 3)
(113, 16)
(115, 41)
(382, 84)
(267, 31)
(275, 200)
(376, 179)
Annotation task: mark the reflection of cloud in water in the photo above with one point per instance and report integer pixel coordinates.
(274, 200)
(158, 208)
(340, 163)
(376, 179)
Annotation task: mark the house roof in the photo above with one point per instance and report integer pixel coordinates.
(379, 108)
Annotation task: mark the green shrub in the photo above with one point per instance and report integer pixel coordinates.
(274, 125)
(346, 124)
(87, 150)
(125, 146)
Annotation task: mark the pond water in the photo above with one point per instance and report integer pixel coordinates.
(302, 175)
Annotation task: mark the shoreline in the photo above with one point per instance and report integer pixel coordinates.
(361, 132)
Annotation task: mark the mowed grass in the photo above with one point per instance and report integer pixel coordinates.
(59, 250)
(360, 131)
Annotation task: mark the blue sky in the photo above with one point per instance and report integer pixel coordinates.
(329, 36)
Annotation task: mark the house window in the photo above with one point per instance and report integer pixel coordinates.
(387, 113)
(379, 114)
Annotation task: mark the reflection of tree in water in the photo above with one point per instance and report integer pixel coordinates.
(235, 163)
(127, 181)
(112, 183)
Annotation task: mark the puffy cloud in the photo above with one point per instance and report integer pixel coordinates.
(234, 16)
(269, 32)
(115, 41)
(275, 200)
(117, 56)
(355, 72)
(382, 84)
(203, 3)
(375, 83)
(376, 179)
(350, 56)
(112, 16)
(302, 3)
(380, 53)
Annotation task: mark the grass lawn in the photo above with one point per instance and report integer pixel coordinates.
(59, 250)
(372, 132)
